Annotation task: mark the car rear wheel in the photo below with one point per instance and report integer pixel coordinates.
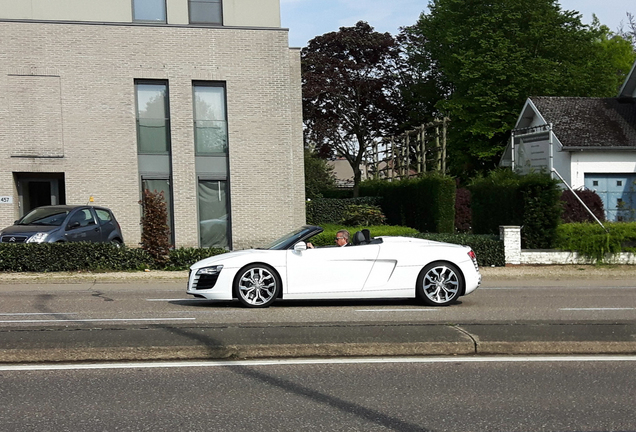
(439, 284)
(257, 285)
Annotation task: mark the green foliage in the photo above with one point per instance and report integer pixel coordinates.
(55, 257)
(505, 198)
(488, 248)
(488, 56)
(332, 210)
(183, 258)
(426, 203)
(319, 176)
(364, 214)
(155, 234)
(591, 240)
(326, 238)
(347, 84)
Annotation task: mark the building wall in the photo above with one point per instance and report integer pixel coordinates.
(243, 13)
(79, 118)
(601, 162)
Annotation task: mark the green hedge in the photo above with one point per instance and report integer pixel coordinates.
(327, 237)
(425, 203)
(54, 257)
(488, 248)
(592, 240)
(531, 201)
(333, 210)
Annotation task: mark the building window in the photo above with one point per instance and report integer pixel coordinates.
(149, 10)
(595, 183)
(210, 121)
(213, 213)
(153, 122)
(206, 12)
(619, 183)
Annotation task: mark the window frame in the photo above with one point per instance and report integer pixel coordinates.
(216, 84)
(165, 14)
(220, 23)
(168, 125)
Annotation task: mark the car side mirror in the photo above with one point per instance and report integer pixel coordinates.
(300, 246)
(73, 225)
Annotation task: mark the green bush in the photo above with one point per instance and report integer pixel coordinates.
(333, 210)
(531, 201)
(52, 257)
(183, 258)
(364, 214)
(425, 203)
(591, 240)
(488, 248)
(55, 257)
(326, 238)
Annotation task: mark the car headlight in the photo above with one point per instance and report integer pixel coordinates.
(214, 270)
(37, 237)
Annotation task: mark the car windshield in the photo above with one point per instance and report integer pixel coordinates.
(289, 239)
(44, 216)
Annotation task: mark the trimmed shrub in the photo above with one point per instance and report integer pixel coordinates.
(488, 248)
(52, 257)
(55, 257)
(426, 203)
(326, 238)
(505, 198)
(591, 240)
(463, 213)
(363, 214)
(332, 210)
(183, 258)
(573, 211)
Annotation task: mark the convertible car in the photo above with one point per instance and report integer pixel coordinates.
(382, 267)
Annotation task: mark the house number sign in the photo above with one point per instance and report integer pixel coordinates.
(6, 200)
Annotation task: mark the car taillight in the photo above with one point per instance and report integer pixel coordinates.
(473, 257)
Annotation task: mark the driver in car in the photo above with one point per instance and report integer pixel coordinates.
(342, 239)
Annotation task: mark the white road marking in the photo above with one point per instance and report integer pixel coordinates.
(596, 309)
(380, 360)
(97, 320)
(397, 310)
(38, 313)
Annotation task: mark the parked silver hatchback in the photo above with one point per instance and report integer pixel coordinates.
(65, 223)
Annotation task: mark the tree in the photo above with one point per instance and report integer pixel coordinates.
(488, 56)
(318, 175)
(348, 92)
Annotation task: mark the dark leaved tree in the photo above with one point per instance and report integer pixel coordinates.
(155, 233)
(348, 92)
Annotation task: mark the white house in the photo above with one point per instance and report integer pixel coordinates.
(589, 142)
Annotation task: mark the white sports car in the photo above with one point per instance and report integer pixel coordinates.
(383, 267)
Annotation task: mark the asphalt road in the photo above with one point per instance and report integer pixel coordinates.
(478, 394)
(92, 319)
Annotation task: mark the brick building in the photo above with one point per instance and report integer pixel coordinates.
(198, 98)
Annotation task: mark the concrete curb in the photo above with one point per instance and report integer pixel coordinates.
(318, 341)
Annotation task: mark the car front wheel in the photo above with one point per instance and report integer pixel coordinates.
(439, 284)
(257, 285)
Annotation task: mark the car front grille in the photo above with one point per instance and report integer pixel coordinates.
(13, 239)
(204, 281)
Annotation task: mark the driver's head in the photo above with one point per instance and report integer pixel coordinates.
(342, 237)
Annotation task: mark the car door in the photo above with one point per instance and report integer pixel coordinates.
(106, 223)
(329, 269)
(82, 226)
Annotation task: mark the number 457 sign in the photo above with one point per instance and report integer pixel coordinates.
(6, 200)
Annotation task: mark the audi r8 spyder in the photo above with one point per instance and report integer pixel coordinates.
(383, 267)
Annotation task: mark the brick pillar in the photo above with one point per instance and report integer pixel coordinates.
(511, 236)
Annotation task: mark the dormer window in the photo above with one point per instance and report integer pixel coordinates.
(206, 12)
